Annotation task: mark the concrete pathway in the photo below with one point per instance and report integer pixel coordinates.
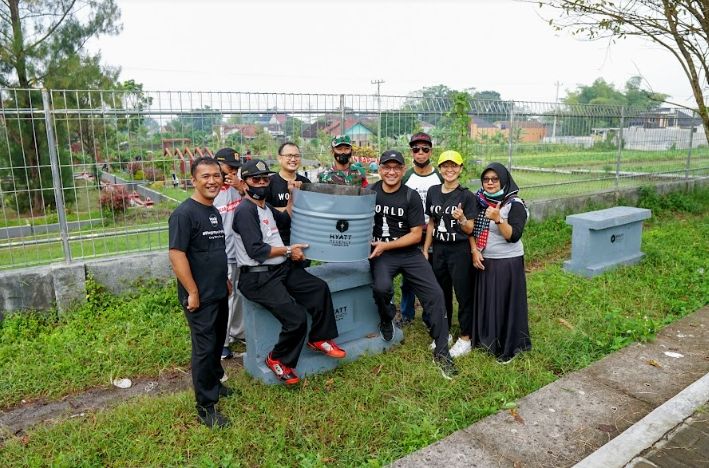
(571, 418)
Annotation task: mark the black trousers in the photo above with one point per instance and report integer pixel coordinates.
(208, 332)
(289, 293)
(419, 274)
(453, 267)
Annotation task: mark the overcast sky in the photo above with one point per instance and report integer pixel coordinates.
(341, 46)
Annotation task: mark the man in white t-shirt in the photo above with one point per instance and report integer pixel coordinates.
(226, 202)
(421, 176)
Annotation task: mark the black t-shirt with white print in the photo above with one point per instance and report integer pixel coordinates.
(277, 194)
(197, 230)
(439, 206)
(396, 213)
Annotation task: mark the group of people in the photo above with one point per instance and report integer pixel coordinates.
(234, 233)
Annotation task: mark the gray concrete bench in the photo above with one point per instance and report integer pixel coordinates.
(357, 323)
(604, 239)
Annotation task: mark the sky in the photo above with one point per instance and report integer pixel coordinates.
(342, 46)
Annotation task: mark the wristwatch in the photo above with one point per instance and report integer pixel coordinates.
(288, 251)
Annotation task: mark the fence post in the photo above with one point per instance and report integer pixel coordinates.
(56, 176)
(510, 139)
(342, 115)
(689, 151)
(620, 150)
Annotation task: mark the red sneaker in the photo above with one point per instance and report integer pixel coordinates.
(284, 373)
(327, 347)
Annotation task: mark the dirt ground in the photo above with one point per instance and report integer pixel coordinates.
(14, 421)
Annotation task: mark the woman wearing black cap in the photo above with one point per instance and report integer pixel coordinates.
(500, 323)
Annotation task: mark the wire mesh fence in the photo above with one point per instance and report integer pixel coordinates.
(93, 173)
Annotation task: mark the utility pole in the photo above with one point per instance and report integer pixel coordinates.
(556, 112)
(379, 104)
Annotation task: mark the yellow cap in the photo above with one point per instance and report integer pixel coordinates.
(450, 155)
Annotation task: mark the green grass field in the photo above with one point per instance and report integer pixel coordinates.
(368, 412)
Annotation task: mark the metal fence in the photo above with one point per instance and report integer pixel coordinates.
(92, 173)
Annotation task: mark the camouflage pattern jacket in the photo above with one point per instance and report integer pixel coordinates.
(351, 176)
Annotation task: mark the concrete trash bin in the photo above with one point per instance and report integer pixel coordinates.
(334, 220)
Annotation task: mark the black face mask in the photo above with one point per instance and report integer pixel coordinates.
(423, 164)
(343, 158)
(257, 193)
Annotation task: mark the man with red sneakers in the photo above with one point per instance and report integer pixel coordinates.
(269, 278)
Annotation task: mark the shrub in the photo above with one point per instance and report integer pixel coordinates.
(114, 199)
(152, 174)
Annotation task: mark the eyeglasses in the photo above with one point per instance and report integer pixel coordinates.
(258, 179)
(291, 156)
(392, 168)
(419, 149)
(491, 180)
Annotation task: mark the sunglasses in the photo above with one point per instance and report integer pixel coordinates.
(491, 179)
(260, 178)
(419, 149)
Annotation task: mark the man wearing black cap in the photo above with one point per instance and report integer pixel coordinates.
(420, 177)
(226, 202)
(269, 278)
(398, 223)
(342, 173)
(198, 257)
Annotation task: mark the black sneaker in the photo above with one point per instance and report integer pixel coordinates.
(226, 353)
(225, 391)
(387, 330)
(211, 418)
(446, 366)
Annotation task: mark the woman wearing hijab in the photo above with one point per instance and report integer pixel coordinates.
(500, 303)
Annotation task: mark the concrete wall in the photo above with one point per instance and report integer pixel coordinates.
(542, 209)
(64, 285)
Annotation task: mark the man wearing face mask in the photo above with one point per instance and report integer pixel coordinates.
(269, 278)
(420, 177)
(342, 173)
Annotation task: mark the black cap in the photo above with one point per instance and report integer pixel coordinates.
(228, 156)
(420, 137)
(255, 167)
(391, 155)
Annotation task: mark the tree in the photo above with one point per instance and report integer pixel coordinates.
(37, 36)
(40, 40)
(679, 26)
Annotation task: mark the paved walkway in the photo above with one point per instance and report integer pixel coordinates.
(572, 418)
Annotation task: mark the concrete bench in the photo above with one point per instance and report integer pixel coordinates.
(357, 323)
(604, 239)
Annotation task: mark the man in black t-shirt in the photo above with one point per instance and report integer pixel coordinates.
(278, 193)
(398, 224)
(198, 257)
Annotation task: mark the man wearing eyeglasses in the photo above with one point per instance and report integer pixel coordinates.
(269, 278)
(342, 172)
(398, 223)
(420, 177)
(278, 194)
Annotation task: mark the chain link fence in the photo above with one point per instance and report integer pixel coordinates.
(93, 173)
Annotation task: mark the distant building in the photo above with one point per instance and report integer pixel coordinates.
(531, 131)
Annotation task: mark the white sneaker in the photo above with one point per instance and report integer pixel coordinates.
(433, 343)
(461, 348)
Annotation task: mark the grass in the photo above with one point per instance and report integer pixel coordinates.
(368, 412)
